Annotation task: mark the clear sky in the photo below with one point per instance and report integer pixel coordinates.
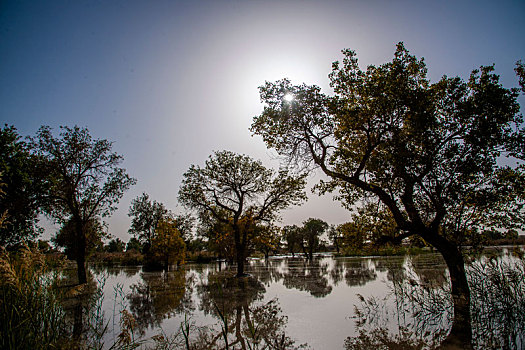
(171, 81)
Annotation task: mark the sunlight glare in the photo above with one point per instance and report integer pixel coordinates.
(289, 97)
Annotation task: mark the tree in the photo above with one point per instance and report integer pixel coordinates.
(429, 152)
(66, 238)
(145, 215)
(266, 239)
(115, 246)
(167, 245)
(293, 237)
(134, 244)
(85, 182)
(336, 237)
(354, 235)
(218, 235)
(371, 222)
(24, 187)
(311, 231)
(231, 187)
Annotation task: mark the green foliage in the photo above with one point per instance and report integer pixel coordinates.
(293, 238)
(231, 187)
(520, 72)
(115, 246)
(428, 151)
(84, 179)
(134, 244)
(24, 188)
(431, 153)
(218, 236)
(311, 232)
(371, 224)
(66, 238)
(145, 215)
(266, 239)
(238, 184)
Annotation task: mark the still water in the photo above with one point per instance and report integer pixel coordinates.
(319, 303)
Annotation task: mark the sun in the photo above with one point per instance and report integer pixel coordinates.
(289, 97)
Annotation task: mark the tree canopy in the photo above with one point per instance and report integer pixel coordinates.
(145, 214)
(231, 187)
(439, 156)
(85, 180)
(23, 186)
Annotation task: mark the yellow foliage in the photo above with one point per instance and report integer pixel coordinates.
(168, 246)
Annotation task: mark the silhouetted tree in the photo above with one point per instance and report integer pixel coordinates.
(66, 238)
(311, 232)
(336, 237)
(293, 237)
(145, 215)
(134, 244)
(115, 246)
(429, 152)
(85, 181)
(232, 187)
(24, 188)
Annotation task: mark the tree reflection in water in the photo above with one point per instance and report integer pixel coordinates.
(422, 307)
(358, 273)
(412, 307)
(309, 276)
(245, 322)
(160, 296)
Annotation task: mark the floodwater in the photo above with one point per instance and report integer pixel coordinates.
(319, 303)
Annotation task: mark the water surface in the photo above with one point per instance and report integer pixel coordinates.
(320, 303)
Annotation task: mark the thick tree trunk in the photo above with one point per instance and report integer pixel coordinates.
(78, 324)
(239, 251)
(81, 270)
(461, 331)
(240, 263)
(81, 253)
(460, 336)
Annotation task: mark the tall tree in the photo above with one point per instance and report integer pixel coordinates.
(231, 187)
(311, 232)
(335, 236)
(293, 238)
(85, 181)
(430, 152)
(24, 187)
(167, 247)
(94, 231)
(146, 214)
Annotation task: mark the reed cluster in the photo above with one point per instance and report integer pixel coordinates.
(30, 312)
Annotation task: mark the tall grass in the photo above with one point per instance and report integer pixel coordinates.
(31, 316)
(424, 312)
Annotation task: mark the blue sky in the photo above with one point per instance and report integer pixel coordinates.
(171, 81)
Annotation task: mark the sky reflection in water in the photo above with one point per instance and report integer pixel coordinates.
(318, 298)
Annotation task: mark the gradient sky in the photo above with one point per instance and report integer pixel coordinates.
(171, 81)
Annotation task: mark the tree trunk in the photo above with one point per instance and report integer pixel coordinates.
(81, 253)
(461, 331)
(240, 263)
(239, 250)
(460, 336)
(78, 325)
(81, 270)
